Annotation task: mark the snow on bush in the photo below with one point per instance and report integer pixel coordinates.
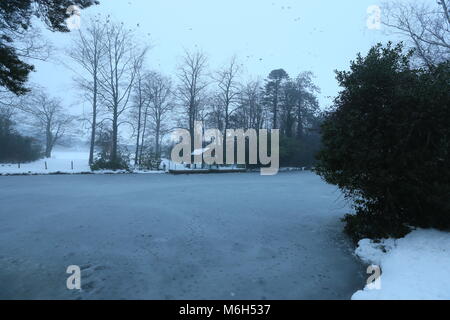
(416, 267)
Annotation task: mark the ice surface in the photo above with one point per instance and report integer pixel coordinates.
(232, 236)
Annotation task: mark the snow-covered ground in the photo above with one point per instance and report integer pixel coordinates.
(215, 236)
(75, 161)
(61, 161)
(416, 267)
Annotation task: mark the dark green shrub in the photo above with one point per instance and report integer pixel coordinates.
(104, 163)
(386, 144)
(150, 162)
(14, 147)
(104, 160)
(295, 152)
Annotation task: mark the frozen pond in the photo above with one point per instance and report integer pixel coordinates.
(230, 236)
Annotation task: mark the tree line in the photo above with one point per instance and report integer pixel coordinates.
(127, 97)
(123, 91)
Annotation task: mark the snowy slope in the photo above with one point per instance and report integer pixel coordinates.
(413, 268)
(61, 161)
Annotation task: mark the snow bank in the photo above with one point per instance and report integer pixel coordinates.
(413, 268)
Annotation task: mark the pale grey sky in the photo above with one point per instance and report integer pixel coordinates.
(297, 35)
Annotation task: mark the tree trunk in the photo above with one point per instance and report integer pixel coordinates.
(300, 122)
(114, 136)
(192, 133)
(143, 137)
(94, 123)
(275, 112)
(49, 143)
(225, 136)
(93, 133)
(136, 157)
(157, 146)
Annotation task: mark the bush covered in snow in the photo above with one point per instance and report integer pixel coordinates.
(150, 162)
(387, 144)
(104, 163)
(107, 159)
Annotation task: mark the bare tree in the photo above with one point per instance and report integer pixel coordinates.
(118, 75)
(8, 100)
(28, 43)
(159, 90)
(251, 112)
(88, 52)
(144, 133)
(140, 110)
(191, 88)
(48, 116)
(215, 117)
(427, 27)
(228, 92)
